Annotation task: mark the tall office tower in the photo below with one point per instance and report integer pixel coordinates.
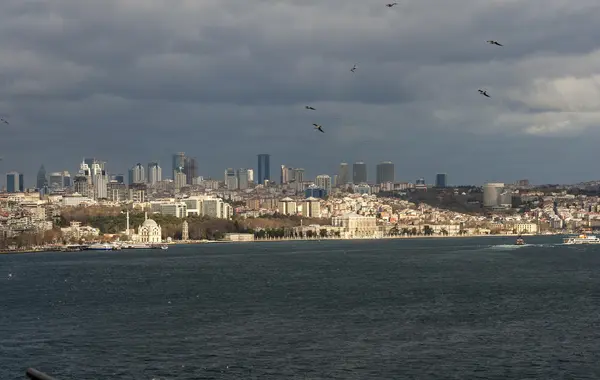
(250, 176)
(231, 181)
(299, 175)
(441, 180)
(85, 171)
(291, 175)
(264, 168)
(100, 183)
(14, 182)
(385, 172)
(120, 178)
(137, 174)
(283, 176)
(242, 179)
(67, 182)
(42, 180)
(343, 177)
(491, 194)
(359, 173)
(323, 181)
(335, 181)
(96, 170)
(179, 179)
(190, 168)
(154, 173)
(56, 181)
(83, 186)
(178, 162)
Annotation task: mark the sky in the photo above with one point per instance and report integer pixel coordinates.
(130, 81)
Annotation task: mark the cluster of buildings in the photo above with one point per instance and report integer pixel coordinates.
(351, 205)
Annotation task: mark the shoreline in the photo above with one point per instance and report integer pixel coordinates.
(274, 240)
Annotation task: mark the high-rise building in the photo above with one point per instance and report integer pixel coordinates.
(264, 168)
(67, 182)
(231, 181)
(343, 175)
(441, 180)
(242, 179)
(283, 176)
(385, 172)
(178, 162)
(154, 173)
(323, 181)
(100, 182)
(14, 182)
(359, 173)
(179, 179)
(91, 161)
(250, 175)
(42, 180)
(83, 185)
(491, 194)
(137, 174)
(190, 168)
(56, 181)
(299, 175)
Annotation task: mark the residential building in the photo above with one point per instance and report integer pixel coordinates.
(42, 179)
(323, 181)
(14, 182)
(343, 175)
(154, 173)
(242, 179)
(441, 180)
(231, 181)
(137, 174)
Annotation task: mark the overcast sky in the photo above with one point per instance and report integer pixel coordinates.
(132, 81)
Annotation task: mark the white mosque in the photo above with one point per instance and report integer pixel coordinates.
(148, 232)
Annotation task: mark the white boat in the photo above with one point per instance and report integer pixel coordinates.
(136, 246)
(582, 239)
(100, 247)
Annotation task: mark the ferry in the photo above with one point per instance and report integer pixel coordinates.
(100, 247)
(582, 239)
(520, 241)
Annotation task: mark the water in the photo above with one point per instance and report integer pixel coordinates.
(395, 309)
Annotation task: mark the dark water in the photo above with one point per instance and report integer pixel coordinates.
(395, 309)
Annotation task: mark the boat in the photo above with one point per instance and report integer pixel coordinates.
(159, 246)
(582, 239)
(100, 247)
(136, 246)
(520, 241)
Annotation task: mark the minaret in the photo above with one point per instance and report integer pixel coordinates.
(127, 231)
(145, 215)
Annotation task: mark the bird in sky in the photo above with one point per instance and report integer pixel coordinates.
(3, 120)
(391, 5)
(492, 42)
(484, 93)
(309, 108)
(353, 69)
(318, 127)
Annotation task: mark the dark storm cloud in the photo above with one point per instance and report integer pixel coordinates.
(132, 81)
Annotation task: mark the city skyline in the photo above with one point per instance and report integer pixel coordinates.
(224, 82)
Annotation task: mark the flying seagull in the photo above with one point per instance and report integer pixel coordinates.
(318, 127)
(391, 5)
(484, 93)
(3, 120)
(353, 69)
(309, 108)
(492, 42)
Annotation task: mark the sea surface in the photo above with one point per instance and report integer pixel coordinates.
(454, 308)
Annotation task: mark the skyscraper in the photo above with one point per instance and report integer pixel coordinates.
(137, 174)
(250, 175)
(359, 172)
(14, 182)
(441, 180)
(283, 176)
(231, 181)
(100, 182)
(190, 169)
(242, 179)
(385, 172)
(42, 180)
(264, 168)
(154, 173)
(178, 162)
(343, 177)
(56, 181)
(179, 179)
